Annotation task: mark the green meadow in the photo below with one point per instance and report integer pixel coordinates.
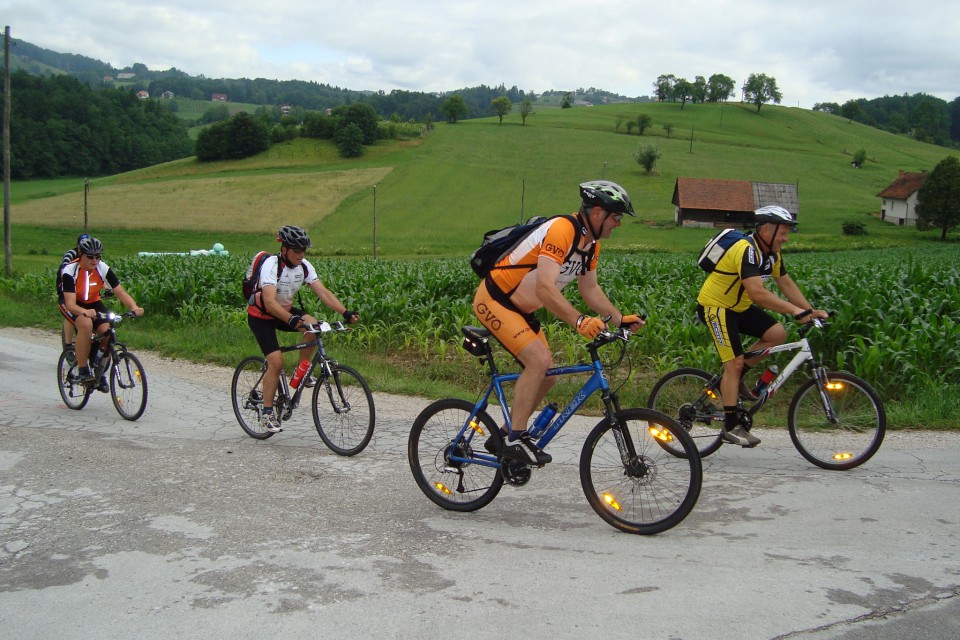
(392, 231)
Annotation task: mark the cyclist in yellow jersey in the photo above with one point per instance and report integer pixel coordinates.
(732, 302)
(532, 277)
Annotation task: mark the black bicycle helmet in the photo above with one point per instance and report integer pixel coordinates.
(294, 237)
(774, 214)
(608, 195)
(90, 246)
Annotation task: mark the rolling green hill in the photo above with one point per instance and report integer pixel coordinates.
(439, 194)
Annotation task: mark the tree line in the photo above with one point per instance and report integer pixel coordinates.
(60, 126)
(922, 116)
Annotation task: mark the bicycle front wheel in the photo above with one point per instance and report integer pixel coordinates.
(634, 482)
(128, 386)
(683, 395)
(453, 484)
(246, 393)
(74, 394)
(852, 437)
(343, 411)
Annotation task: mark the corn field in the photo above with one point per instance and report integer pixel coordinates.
(896, 322)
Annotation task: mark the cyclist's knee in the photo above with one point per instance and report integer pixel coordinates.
(536, 358)
(775, 335)
(274, 361)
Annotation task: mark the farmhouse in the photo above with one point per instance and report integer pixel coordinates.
(142, 95)
(708, 202)
(218, 97)
(898, 202)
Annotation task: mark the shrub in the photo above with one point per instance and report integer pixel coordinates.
(854, 229)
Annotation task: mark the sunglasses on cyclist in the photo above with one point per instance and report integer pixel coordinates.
(93, 256)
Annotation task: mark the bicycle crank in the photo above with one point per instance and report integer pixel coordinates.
(515, 473)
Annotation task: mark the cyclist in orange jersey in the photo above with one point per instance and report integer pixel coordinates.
(82, 282)
(532, 277)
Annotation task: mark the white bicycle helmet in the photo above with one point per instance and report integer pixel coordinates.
(774, 214)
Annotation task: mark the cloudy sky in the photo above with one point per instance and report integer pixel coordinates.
(818, 50)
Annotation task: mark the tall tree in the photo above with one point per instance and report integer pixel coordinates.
(682, 91)
(663, 87)
(720, 87)
(698, 91)
(850, 110)
(501, 106)
(938, 203)
(454, 108)
(760, 89)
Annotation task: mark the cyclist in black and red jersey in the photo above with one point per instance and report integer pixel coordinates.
(271, 309)
(82, 282)
(533, 276)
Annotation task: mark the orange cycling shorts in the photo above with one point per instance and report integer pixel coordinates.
(514, 329)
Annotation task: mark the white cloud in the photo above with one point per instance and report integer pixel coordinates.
(818, 50)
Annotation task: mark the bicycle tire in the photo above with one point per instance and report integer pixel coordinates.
(128, 386)
(680, 395)
(431, 438)
(73, 394)
(246, 395)
(858, 432)
(657, 489)
(348, 413)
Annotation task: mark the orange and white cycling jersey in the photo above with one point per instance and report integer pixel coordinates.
(553, 240)
(87, 285)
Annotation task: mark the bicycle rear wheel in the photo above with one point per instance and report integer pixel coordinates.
(343, 411)
(128, 386)
(246, 393)
(683, 395)
(642, 487)
(454, 485)
(855, 435)
(74, 394)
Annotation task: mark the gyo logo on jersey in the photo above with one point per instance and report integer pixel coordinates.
(555, 250)
(488, 317)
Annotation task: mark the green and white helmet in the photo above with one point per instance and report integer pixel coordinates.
(607, 195)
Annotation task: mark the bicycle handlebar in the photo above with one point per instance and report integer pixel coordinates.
(325, 327)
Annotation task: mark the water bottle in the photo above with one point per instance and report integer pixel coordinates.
(299, 373)
(766, 379)
(546, 415)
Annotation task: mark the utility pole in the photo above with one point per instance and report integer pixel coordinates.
(7, 247)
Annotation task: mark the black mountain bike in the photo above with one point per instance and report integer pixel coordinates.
(116, 371)
(342, 403)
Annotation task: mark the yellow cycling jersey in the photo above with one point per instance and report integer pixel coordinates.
(724, 286)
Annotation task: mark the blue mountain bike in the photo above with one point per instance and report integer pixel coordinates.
(629, 478)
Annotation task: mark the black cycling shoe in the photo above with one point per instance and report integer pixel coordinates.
(494, 443)
(524, 449)
(102, 386)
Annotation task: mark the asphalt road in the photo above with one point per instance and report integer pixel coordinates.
(178, 525)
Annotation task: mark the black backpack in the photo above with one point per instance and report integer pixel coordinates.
(497, 243)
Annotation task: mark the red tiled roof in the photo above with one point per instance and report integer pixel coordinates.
(719, 195)
(904, 186)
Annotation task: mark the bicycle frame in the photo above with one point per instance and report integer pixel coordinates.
(291, 401)
(596, 382)
(804, 355)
